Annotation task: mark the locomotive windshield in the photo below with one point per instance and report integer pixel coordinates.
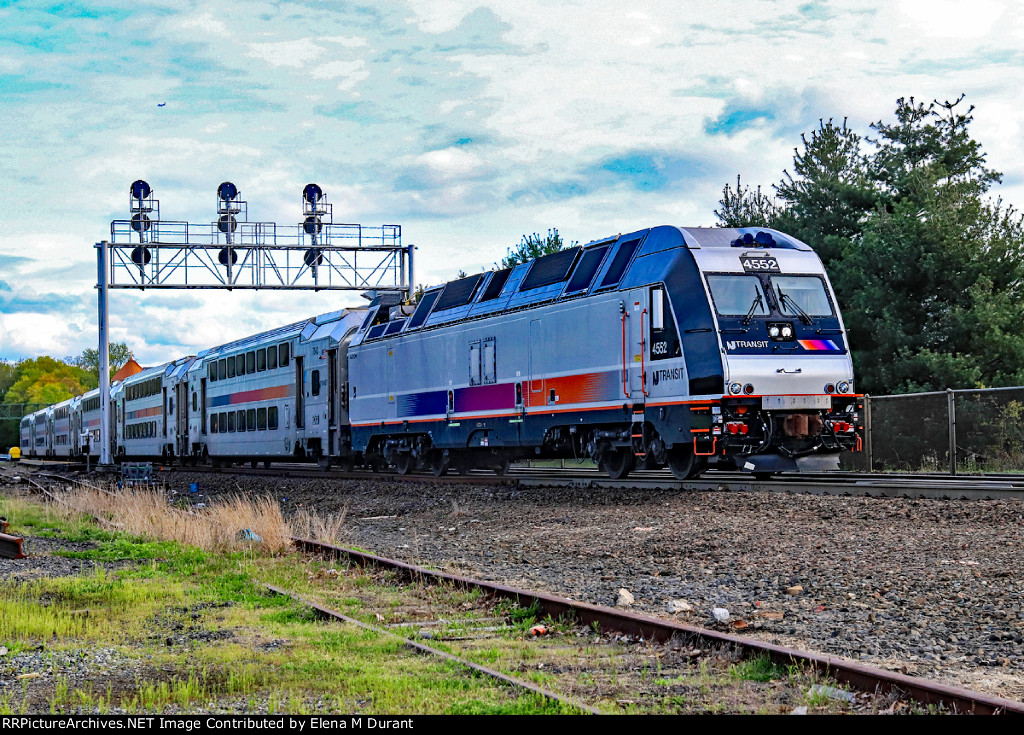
(736, 295)
(801, 293)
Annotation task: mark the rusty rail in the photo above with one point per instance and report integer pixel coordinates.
(863, 678)
(10, 547)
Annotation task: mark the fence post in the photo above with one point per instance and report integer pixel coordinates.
(951, 404)
(868, 449)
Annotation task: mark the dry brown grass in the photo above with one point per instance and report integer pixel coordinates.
(219, 527)
(327, 529)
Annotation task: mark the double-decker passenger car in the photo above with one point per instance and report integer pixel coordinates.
(276, 395)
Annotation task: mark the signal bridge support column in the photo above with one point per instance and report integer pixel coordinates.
(103, 271)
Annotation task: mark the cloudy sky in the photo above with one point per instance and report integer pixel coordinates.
(467, 123)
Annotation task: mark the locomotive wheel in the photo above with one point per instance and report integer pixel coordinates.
(460, 463)
(253, 463)
(683, 463)
(438, 464)
(502, 469)
(266, 464)
(404, 463)
(618, 464)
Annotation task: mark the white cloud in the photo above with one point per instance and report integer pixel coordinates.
(951, 18)
(452, 163)
(335, 69)
(294, 54)
(346, 41)
(204, 22)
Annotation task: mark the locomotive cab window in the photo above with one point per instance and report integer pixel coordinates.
(801, 293)
(664, 335)
(738, 295)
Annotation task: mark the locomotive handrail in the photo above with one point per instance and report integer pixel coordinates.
(643, 348)
(624, 369)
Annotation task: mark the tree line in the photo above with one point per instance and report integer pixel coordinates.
(927, 267)
(48, 380)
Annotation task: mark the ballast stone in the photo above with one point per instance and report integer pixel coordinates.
(679, 606)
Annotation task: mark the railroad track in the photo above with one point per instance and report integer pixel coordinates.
(892, 485)
(863, 678)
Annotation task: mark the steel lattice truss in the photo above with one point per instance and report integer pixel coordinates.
(257, 255)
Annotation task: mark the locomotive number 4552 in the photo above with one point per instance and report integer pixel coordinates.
(760, 265)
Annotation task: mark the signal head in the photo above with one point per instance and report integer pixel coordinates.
(140, 189)
(227, 191)
(312, 193)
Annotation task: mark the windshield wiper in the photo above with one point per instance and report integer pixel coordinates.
(750, 312)
(785, 298)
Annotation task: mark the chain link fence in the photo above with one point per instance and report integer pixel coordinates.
(953, 431)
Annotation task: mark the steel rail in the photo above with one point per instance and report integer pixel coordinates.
(10, 547)
(863, 678)
(938, 486)
(326, 612)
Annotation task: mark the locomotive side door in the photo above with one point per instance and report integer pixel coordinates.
(637, 319)
(536, 395)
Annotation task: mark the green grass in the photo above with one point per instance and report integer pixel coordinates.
(233, 641)
(759, 668)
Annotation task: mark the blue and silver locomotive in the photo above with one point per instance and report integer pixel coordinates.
(681, 347)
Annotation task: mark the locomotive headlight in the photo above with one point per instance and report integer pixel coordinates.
(773, 331)
(787, 331)
(735, 388)
(843, 387)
